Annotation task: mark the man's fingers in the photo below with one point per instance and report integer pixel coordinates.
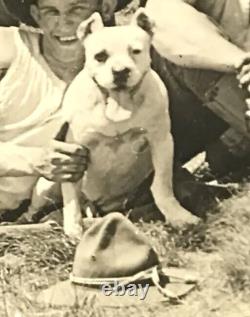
(72, 178)
(243, 62)
(245, 79)
(75, 177)
(248, 103)
(70, 149)
(70, 169)
(66, 160)
(58, 158)
(81, 153)
(244, 70)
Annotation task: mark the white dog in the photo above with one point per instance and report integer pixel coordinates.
(115, 95)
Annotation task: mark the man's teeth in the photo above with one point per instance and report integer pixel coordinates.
(67, 38)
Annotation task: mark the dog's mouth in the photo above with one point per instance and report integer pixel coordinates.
(120, 85)
(121, 82)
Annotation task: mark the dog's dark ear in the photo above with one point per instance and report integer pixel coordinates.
(142, 20)
(91, 25)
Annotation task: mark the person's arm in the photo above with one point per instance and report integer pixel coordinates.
(19, 160)
(7, 47)
(187, 37)
(59, 161)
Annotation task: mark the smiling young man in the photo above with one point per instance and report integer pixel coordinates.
(58, 21)
(38, 64)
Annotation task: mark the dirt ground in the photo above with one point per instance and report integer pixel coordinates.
(218, 249)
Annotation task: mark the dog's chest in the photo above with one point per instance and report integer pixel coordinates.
(134, 140)
(117, 164)
(120, 156)
(119, 151)
(105, 118)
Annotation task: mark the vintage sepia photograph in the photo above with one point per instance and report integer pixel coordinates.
(124, 158)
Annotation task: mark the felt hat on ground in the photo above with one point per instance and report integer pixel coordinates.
(112, 255)
(12, 11)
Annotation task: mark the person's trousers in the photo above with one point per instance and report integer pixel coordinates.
(204, 105)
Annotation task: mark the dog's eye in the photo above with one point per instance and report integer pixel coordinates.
(102, 56)
(136, 51)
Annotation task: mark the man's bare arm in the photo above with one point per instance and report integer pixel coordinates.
(7, 47)
(187, 37)
(59, 161)
(19, 160)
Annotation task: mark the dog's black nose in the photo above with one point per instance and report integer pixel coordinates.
(121, 73)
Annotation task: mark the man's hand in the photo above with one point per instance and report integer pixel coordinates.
(63, 162)
(243, 77)
(243, 70)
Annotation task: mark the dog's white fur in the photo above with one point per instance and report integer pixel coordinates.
(96, 108)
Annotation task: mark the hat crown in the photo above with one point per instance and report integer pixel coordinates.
(113, 248)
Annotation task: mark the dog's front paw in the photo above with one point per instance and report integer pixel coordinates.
(179, 217)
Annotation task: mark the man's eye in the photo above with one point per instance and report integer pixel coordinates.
(79, 10)
(51, 13)
(102, 56)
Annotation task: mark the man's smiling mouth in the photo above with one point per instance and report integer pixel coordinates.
(66, 40)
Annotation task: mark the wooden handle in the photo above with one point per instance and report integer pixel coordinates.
(29, 227)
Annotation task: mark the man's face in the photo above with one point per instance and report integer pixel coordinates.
(59, 20)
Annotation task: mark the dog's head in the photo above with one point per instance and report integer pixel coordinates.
(117, 58)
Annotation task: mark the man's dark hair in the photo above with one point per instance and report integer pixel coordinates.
(20, 9)
(23, 12)
(122, 4)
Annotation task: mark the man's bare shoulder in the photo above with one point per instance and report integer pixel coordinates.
(7, 44)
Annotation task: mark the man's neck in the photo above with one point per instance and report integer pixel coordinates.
(63, 69)
(245, 7)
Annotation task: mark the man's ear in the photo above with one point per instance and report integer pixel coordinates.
(34, 12)
(142, 20)
(92, 24)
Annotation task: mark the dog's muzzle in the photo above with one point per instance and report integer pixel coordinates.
(121, 77)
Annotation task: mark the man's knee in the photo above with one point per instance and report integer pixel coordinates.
(221, 94)
(210, 91)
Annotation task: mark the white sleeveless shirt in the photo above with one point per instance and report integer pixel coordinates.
(30, 97)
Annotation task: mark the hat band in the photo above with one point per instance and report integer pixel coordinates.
(152, 273)
(143, 275)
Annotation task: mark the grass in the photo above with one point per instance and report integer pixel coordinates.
(218, 250)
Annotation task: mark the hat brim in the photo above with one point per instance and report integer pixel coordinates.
(20, 10)
(67, 294)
